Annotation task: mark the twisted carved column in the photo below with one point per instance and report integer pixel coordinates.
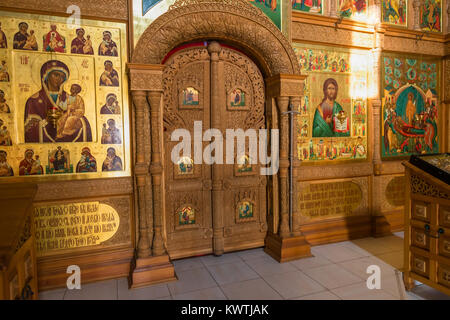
(283, 104)
(295, 103)
(156, 169)
(141, 171)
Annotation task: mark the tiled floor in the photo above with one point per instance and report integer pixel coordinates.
(336, 272)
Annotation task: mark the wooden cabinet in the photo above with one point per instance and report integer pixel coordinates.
(18, 271)
(427, 228)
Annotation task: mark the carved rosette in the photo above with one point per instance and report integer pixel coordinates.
(420, 186)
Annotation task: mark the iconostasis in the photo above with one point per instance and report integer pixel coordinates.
(63, 98)
(411, 105)
(393, 12)
(333, 120)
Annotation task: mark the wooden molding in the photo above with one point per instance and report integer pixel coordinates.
(288, 248)
(151, 270)
(337, 230)
(98, 266)
(326, 21)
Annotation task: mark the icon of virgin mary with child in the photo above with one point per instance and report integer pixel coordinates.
(53, 115)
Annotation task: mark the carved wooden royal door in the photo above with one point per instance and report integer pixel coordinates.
(220, 207)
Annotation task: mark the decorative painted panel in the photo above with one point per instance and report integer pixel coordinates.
(145, 12)
(333, 112)
(63, 98)
(430, 17)
(394, 12)
(353, 9)
(410, 95)
(311, 6)
(272, 8)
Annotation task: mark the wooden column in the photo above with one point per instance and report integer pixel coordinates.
(156, 170)
(141, 172)
(380, 225)
(151, 264)
(286, 244)
(283, 176)
(295, 103)
(217, 171)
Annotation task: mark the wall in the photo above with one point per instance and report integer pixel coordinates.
(84, 206)
(382, 174)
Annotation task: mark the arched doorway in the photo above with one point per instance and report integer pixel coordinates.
(208, 85)
(278, 85)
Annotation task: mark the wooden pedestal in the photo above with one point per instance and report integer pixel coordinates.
(287, 249)
(427, 230)
(151, 270)
(380, 227)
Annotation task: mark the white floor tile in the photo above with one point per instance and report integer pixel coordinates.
(359, 267)
(336, 253)
(211, 260)
(400, 234)
(165, 298)
(191, 280)
(252, 254)
(394, 285)
(57, 294)
(256, 289)
(145, 293)
(359, 291)
(204, 294)
(293, 284)
(325, 295)
(104, 290)
(187, 264)
(312, 262)
(429, 293)
(266, 266)
(232, 272)
(332, 276)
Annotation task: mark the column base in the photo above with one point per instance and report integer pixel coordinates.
(287, 248)
(380, 227)
(151, 270)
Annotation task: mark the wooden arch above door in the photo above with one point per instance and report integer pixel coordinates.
(242, 25)
(236, 21)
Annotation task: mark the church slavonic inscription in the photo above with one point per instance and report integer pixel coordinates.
(74, 225)
(335, 199)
